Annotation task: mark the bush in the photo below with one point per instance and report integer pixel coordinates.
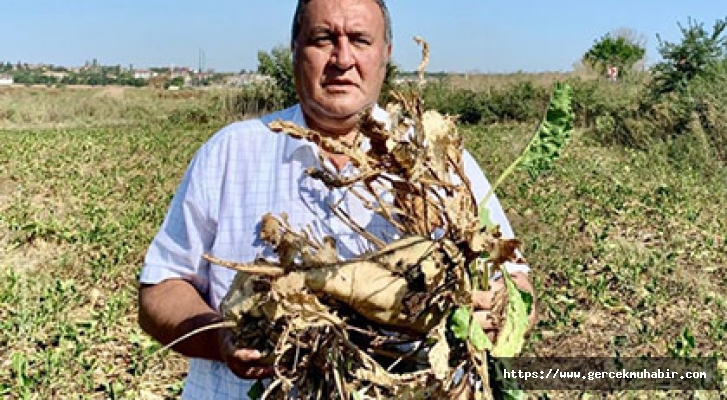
(519, 102)
(695, 56)
(191, 115)
(516, 102)
(254, 100)
(465, 103)
(690, 123)
(278, 64)
(711, 111)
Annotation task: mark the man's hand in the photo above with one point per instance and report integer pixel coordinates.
(173, 308)
(483, 301)
(245, 363)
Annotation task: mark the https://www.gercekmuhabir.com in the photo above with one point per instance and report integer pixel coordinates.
(591, 375)
(612, 374)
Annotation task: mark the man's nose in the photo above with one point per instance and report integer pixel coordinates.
(343, 56)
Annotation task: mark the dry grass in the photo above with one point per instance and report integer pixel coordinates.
(484, 82)
(41, 107)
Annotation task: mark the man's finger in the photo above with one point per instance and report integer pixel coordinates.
(246, 364)
(248, 355)
(482, 300)
(485, 320)
(247, 372)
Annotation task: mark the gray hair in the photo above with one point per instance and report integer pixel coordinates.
(300, 10)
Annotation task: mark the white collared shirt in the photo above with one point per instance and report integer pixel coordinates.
(243, 172)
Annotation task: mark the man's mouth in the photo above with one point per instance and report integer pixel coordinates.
(338, 83)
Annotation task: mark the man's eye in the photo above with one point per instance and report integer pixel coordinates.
(322, 39)
(362, 41)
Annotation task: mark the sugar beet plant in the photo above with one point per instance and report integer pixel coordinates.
(324, 321)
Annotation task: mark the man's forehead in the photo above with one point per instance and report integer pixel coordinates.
(352, 12)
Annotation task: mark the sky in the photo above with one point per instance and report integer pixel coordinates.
(464, 35)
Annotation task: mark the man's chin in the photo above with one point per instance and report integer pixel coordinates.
(342, 110)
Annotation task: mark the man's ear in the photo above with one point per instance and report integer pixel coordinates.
(387, 57)
(293, 49)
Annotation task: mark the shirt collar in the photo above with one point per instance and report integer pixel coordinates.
(292, 145)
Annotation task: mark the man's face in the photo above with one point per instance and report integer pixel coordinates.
(340, 58)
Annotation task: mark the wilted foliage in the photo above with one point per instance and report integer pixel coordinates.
(326, 322)
(311, 305)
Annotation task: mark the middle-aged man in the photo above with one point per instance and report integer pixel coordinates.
(340, 52)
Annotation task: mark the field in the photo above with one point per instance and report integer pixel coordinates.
(627, 246)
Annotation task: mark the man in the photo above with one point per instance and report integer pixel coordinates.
(340, 52)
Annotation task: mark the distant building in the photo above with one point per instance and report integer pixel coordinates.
(180, 72)
(247, 79)
(144, 74)
(54, 74)
(6, 80)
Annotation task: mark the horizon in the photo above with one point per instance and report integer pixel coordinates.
(465, 36)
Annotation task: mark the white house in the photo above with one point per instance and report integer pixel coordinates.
(247, 79)
(6, 80)
(143, 74)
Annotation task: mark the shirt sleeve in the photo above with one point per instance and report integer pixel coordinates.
(188, 228)
(480, 186)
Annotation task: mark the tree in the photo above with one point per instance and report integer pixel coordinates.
(697, 54)
(278, 64)
(621, 49)
(392, 71)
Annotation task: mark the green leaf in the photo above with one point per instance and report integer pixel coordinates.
(19, 364)
(511, 338)
(513, 394)
(485, 219)
(464, 327)
(479, 338)
(459, 324)
(256, 391)
(553, 133)
(544, 148)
